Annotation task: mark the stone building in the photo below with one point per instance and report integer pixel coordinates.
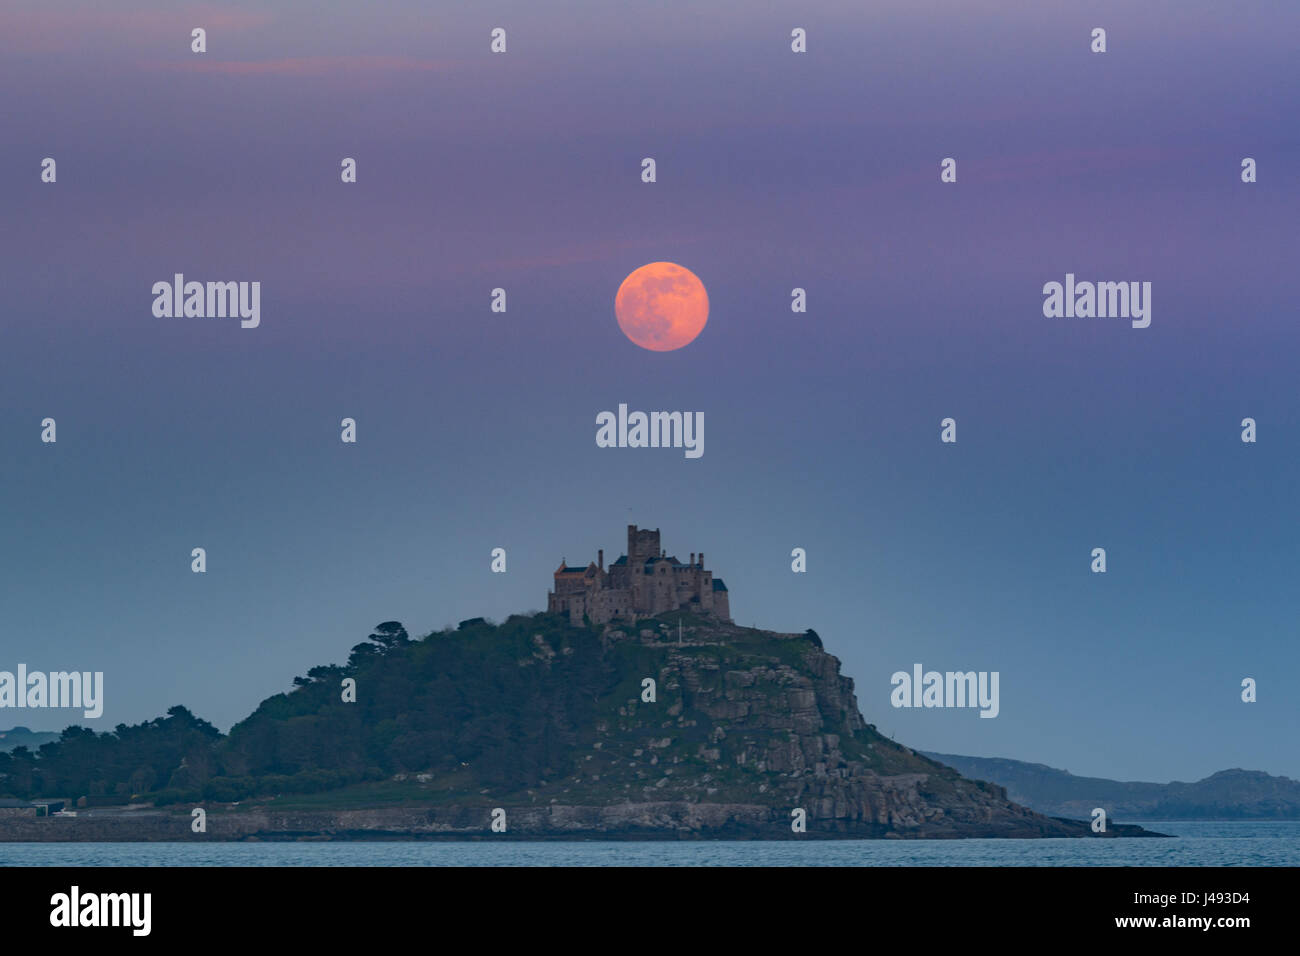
(642, 583)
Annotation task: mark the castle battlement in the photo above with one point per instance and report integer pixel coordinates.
(644, 582)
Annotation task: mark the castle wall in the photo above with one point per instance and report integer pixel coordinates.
(722, 605)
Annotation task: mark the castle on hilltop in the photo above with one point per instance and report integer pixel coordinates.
(642, 583)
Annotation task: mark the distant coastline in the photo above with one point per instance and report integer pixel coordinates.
(22, 737)
(1227, 795)
(630, 822)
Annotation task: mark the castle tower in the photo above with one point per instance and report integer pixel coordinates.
(642, 544)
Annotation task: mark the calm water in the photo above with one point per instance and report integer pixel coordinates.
(1197, 844)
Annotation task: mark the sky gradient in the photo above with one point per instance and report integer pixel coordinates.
(476, 430)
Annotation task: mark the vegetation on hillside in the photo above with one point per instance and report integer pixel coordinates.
(533, 708)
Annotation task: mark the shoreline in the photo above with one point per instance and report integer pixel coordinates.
(623, 823)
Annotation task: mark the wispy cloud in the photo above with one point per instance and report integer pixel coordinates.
(600, 251)
(38, 26)
(304, 65)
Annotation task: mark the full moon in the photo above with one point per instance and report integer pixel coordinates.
(662, 306)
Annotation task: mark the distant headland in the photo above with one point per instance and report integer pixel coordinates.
(1227, 795)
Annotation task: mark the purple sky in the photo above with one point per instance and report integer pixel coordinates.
(775, 170)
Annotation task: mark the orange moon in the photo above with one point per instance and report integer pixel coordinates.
(662, 306)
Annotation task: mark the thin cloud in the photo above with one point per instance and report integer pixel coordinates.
(37, 26)
(592, 252)
(305, 65)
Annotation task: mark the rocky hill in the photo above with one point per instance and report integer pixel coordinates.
(620, 732)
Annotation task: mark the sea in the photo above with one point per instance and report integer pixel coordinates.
(1194, 843)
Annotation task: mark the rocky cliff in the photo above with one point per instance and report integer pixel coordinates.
(749, 725)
